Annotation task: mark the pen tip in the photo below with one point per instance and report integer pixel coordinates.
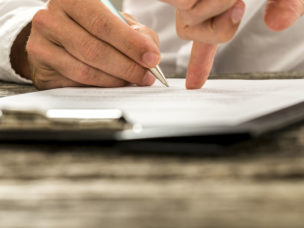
(160, 75)
(164, 81)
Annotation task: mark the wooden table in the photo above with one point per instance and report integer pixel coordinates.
(257, 183)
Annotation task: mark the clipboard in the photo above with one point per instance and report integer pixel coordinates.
(112, 125)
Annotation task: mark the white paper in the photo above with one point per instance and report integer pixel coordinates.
(220, 102)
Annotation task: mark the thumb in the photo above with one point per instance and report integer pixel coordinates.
(281, 14)
(200, 65)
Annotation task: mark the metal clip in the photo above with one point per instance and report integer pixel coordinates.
(61, 119)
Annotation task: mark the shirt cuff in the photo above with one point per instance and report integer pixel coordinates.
(13, 24)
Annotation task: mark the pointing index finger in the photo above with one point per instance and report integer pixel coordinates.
(200, 65)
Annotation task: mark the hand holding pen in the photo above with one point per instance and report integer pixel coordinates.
(82, 43)
(156, 71)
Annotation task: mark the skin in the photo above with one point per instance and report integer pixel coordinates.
(210, 22)
(80, 42)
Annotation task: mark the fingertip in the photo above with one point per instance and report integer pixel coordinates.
(274, 23)
(200, 65)
(151, 59)
(278, 18)
(237, 12)
(192, 87)
(148, 80)
(195, 81)
(151, 55)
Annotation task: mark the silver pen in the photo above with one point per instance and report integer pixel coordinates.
(157, 72)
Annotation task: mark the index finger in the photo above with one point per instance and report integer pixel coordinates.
(200, 65)
(98, 20)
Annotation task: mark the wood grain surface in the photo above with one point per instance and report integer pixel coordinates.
(258, 183)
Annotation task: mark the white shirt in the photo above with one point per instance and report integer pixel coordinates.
(14, 16)
(254, 49)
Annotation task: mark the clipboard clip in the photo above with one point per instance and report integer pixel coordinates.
(63, 119)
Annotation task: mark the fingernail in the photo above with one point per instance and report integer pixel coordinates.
(149, 79)
(151, 59)
(238, 12)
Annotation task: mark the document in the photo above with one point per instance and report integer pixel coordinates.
(219, 102)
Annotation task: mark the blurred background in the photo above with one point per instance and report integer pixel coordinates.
(117, 3)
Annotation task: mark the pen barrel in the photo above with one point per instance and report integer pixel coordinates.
(156, 71)
(111, 7)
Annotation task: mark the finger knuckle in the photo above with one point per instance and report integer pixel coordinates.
(182, 32)
(185, 17)
(218, 34)
(100, 26)
(40, 19)
(225, 35)
(32, 48)
(85, 74)
(41, 86)
(89, 50)
(42, 83)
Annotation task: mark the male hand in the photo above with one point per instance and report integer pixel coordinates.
(281, 14)
(207, 23)
(81, 43)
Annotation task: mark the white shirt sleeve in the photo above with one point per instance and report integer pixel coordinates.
(14, 16)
